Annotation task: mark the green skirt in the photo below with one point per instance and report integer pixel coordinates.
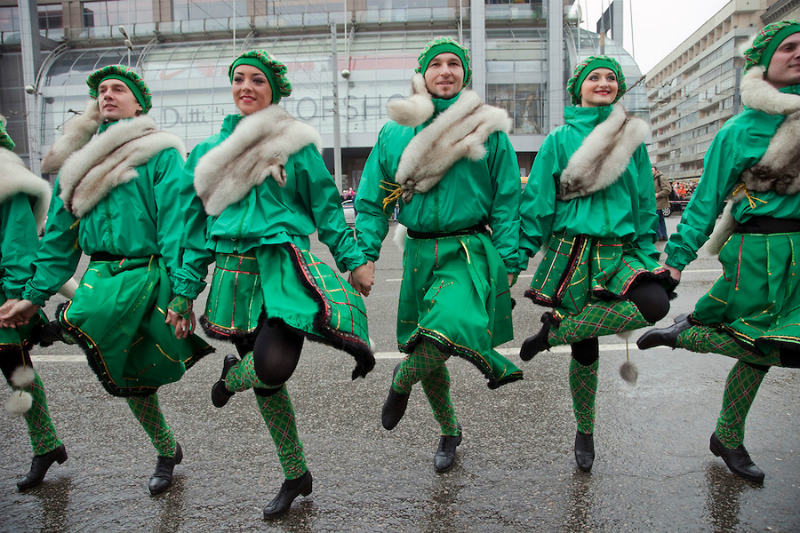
(757, 298)
(577, 268)
(288, 285)
(117, 316)
(16, 343)
(455, 295)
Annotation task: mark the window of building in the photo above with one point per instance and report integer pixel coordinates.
(212, 9)
(9, 19)
(524, 103)
(98, 13)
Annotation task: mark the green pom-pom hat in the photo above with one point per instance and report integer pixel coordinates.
(585, 67)
(274, 70)
(440, 45)
(767, 41)
(5, 138)
(119, 72)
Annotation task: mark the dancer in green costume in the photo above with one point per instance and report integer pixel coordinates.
(253, 194)
(116, 201)
(24, 198)
(590, 205)
(448, 156)
(752, 312)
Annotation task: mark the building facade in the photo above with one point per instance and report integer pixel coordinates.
(346, 60)
(695, 89)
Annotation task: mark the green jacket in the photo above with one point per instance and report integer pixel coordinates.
(471, 192)
(738, 145)
(269, 214)
(135, 219)
(18, 245)
(625, 209)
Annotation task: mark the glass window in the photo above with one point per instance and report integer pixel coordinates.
(9, 19)
(207, 9)
(524, 103)
(100, 13)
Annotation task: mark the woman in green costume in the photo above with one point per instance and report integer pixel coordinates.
(448, 156)
(590, 204)
(24, 198)
(115, 200)
(752, 312)
(253, 194)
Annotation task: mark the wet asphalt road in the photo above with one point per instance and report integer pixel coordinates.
(515, 470)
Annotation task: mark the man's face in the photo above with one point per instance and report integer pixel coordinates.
(445, 76)
(784, 67)
(116, 101)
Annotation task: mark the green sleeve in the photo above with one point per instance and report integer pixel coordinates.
(648, 218)
(168, 169)
(372, 221)
(325, 204)
(538, 204)
(190, 279)
(19, 244)
(59, 252)
(722, 167)
(504, 219)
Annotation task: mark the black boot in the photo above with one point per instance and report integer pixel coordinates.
(664, 336)
(219, 394)
(40, 465)
(584, 450)
(395, 406)
(537, 343)
(737, 459)
(290, 490)
(161, 479)
(445, 456)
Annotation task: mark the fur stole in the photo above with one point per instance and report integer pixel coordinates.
(77, 132)
(458, 132)
(603, 155)
(779, 168)
(110, 159)
(18, 179)
(259, 147)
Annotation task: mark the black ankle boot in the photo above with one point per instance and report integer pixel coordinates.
(584, 450)
(40, 465)
(290, 490)
(664, 336)
(737, 459)
(395, 406)
(445, 456)
(219, 394)
(537, 343)
(161, 479)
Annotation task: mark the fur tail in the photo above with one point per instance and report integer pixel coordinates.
(722, 231)
(400, 234)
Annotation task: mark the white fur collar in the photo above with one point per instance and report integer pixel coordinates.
(459, 132)
(603, 155)
(77, 132)
(759, 94)
(259, 147)
(415, 109)
(110, 159)
(16, 178)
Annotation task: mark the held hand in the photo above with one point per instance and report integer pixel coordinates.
(674, 272)
(19, 313)
(183, 326)
(5, 309)
(363, 278)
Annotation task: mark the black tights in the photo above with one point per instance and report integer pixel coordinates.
(652, 301)
(276, 352)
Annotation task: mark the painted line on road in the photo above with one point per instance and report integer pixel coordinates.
(515, 351)
(59, 358)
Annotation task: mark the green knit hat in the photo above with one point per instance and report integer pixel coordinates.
(767, 41)
(124, 74)
(5, 138)
(274, 70)
(588, 65)
(440, 45)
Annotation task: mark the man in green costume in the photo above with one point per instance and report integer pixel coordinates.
(115, 200)
(23, 205)
(752, 312)
(448, 156)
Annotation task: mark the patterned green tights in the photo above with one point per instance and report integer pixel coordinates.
(40, 426)
(427, 365)
(596, 320)
(278, 414)
(148, 413)
(583, 385)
